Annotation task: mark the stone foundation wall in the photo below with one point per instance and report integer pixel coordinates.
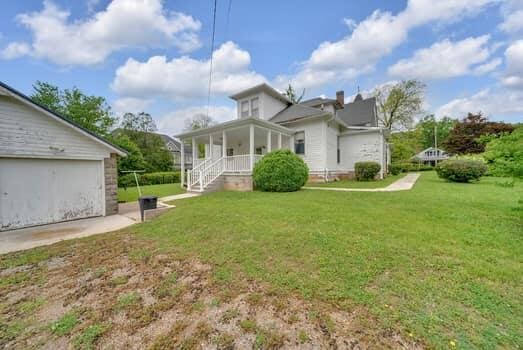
(242, 183)
(111, 185)
(319, 177)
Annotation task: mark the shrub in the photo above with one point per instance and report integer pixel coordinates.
(128, 180)
(461, 170)
(366, 171)
(504, 155)
(395, 169)
(280, 171)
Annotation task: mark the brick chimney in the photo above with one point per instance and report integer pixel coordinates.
(340, 97)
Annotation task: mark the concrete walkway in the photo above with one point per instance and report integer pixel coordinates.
(128, 214)
(403, 184)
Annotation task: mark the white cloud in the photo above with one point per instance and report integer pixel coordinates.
(131, 105)
(487, 101)
(513, 23)
(512, 12)
(514, 62)
(174, 122)
(446, 59)
(14, 50)
(488, 67)
(373, 38)
(123, 24)
(186, 78)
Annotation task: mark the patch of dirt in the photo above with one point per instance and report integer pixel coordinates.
(160, 301)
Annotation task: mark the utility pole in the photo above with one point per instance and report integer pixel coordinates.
(436, 144)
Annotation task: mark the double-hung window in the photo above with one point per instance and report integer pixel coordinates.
(299, 142)
(245, 109)
(255, 110)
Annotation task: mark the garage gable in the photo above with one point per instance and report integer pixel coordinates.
(28, 130)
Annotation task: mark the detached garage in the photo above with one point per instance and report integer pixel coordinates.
(51, 169)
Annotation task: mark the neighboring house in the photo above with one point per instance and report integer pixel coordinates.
(51, 169)
(174, 146)
(430, 156)
(330, 136)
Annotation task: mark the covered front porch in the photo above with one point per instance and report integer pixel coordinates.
(230, 148)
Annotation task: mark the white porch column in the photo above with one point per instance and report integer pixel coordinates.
(291, 143)
(269, 141)
(194, 152)
(279, 140)
(251, 145)
(182, 163)
(224, 144)
(211, 144)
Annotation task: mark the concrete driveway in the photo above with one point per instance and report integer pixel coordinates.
(31, 237)
(128, 214)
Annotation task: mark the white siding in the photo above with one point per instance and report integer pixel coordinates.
(270, 106)
(315, 145)
(27, 132)
(332, 147)
(41, 191)
(358, 147)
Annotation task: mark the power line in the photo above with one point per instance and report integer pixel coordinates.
(210, 61)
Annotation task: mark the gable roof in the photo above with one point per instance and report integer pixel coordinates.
(261, 88)
(296, 112)
(168, 139)
(318, 101)
(9, 91)
(361, 112)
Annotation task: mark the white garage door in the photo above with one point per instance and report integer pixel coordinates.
(42, 191)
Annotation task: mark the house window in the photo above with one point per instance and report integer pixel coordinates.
(258, 150)
(255, 111)
(299, 142)
(245, 109)
(230, 152)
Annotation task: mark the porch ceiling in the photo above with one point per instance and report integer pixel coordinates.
(236, 126)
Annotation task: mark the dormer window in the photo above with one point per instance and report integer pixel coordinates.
(250, 108)
(255, 111)
(245, 109)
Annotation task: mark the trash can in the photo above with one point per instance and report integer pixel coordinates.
(146, 203)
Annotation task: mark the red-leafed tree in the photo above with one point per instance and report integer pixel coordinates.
(467, 134)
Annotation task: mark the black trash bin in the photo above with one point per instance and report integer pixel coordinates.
(146, 203)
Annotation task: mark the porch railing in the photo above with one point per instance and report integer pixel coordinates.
(208, 170)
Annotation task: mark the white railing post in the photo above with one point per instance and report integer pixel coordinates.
(251, 145)
(201, 180)
(279, 140)
(182, 163)
(189, 180)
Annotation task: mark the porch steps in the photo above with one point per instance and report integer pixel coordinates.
(216, 185)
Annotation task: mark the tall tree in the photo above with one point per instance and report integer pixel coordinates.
(134, 159)
(399, 104)
(140, 128)
(429, 124)
(199, 121)
(90, 112)
(293, 96)
(405, 144)
(466, 136)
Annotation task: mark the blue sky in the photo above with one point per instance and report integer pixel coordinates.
(154, 56)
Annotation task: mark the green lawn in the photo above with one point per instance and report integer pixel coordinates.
(360, 184)
(131, 193)
(442, 262)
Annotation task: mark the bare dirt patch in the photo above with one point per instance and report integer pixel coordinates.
(120, 292)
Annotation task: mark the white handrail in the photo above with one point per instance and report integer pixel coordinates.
(194, 177)
(211, 173)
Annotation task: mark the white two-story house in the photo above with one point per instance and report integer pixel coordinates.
(329, 134)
